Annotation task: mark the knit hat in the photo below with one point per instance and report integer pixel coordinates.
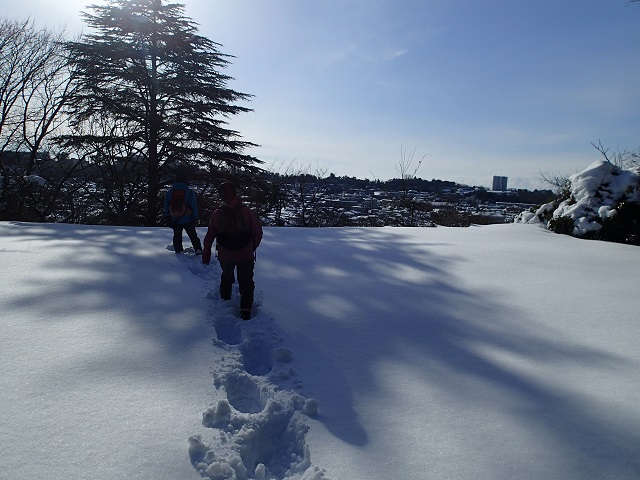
(227, 191)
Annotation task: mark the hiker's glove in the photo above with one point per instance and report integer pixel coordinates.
(206, 257)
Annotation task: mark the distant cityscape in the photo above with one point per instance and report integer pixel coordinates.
(346, 201)
(73, 189)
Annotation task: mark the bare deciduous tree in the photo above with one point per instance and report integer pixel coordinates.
(407, 172)
(35, 85)
(307, 191)
(43, 99)
(622, 159)
(25, 50)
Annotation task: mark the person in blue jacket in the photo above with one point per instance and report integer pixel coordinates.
(184, 217)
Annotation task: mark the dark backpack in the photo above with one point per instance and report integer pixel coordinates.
(178, 207)
(233, 233)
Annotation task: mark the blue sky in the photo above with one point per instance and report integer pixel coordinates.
(476, 87)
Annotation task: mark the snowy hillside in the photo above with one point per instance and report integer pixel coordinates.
(494, 352)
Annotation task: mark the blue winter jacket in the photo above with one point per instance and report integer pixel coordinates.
(190, 200)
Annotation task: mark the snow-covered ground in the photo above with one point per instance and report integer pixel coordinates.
(497, 352)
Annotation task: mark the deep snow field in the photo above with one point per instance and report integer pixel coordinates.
(497, 352)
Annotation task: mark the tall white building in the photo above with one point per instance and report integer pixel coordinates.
(499, 183)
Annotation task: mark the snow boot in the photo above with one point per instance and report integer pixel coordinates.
(225, 291)
(246, 302)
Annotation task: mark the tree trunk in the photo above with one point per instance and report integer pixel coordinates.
(154, 128)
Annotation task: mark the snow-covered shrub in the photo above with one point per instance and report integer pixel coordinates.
(601, 202)
(623, 227)
(542, 214)
(563, 225)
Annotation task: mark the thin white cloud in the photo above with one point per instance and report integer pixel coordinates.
(389, 53)
(360, 53)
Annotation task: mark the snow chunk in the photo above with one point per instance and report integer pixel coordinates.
(310, 407)
(220, 471)
(198, 450)
(217, 415)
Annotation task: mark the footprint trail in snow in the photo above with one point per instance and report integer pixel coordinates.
(258, 422)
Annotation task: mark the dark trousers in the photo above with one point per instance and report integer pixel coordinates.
(245, 282)
(190, 228)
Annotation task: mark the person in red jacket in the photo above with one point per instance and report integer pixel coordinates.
(238, 234)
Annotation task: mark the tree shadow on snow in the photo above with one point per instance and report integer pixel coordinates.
(349, 277)
(117, 274)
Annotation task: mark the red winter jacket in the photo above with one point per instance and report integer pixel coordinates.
(245, 254)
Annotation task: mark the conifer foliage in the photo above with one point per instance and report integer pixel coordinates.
(146, 69)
